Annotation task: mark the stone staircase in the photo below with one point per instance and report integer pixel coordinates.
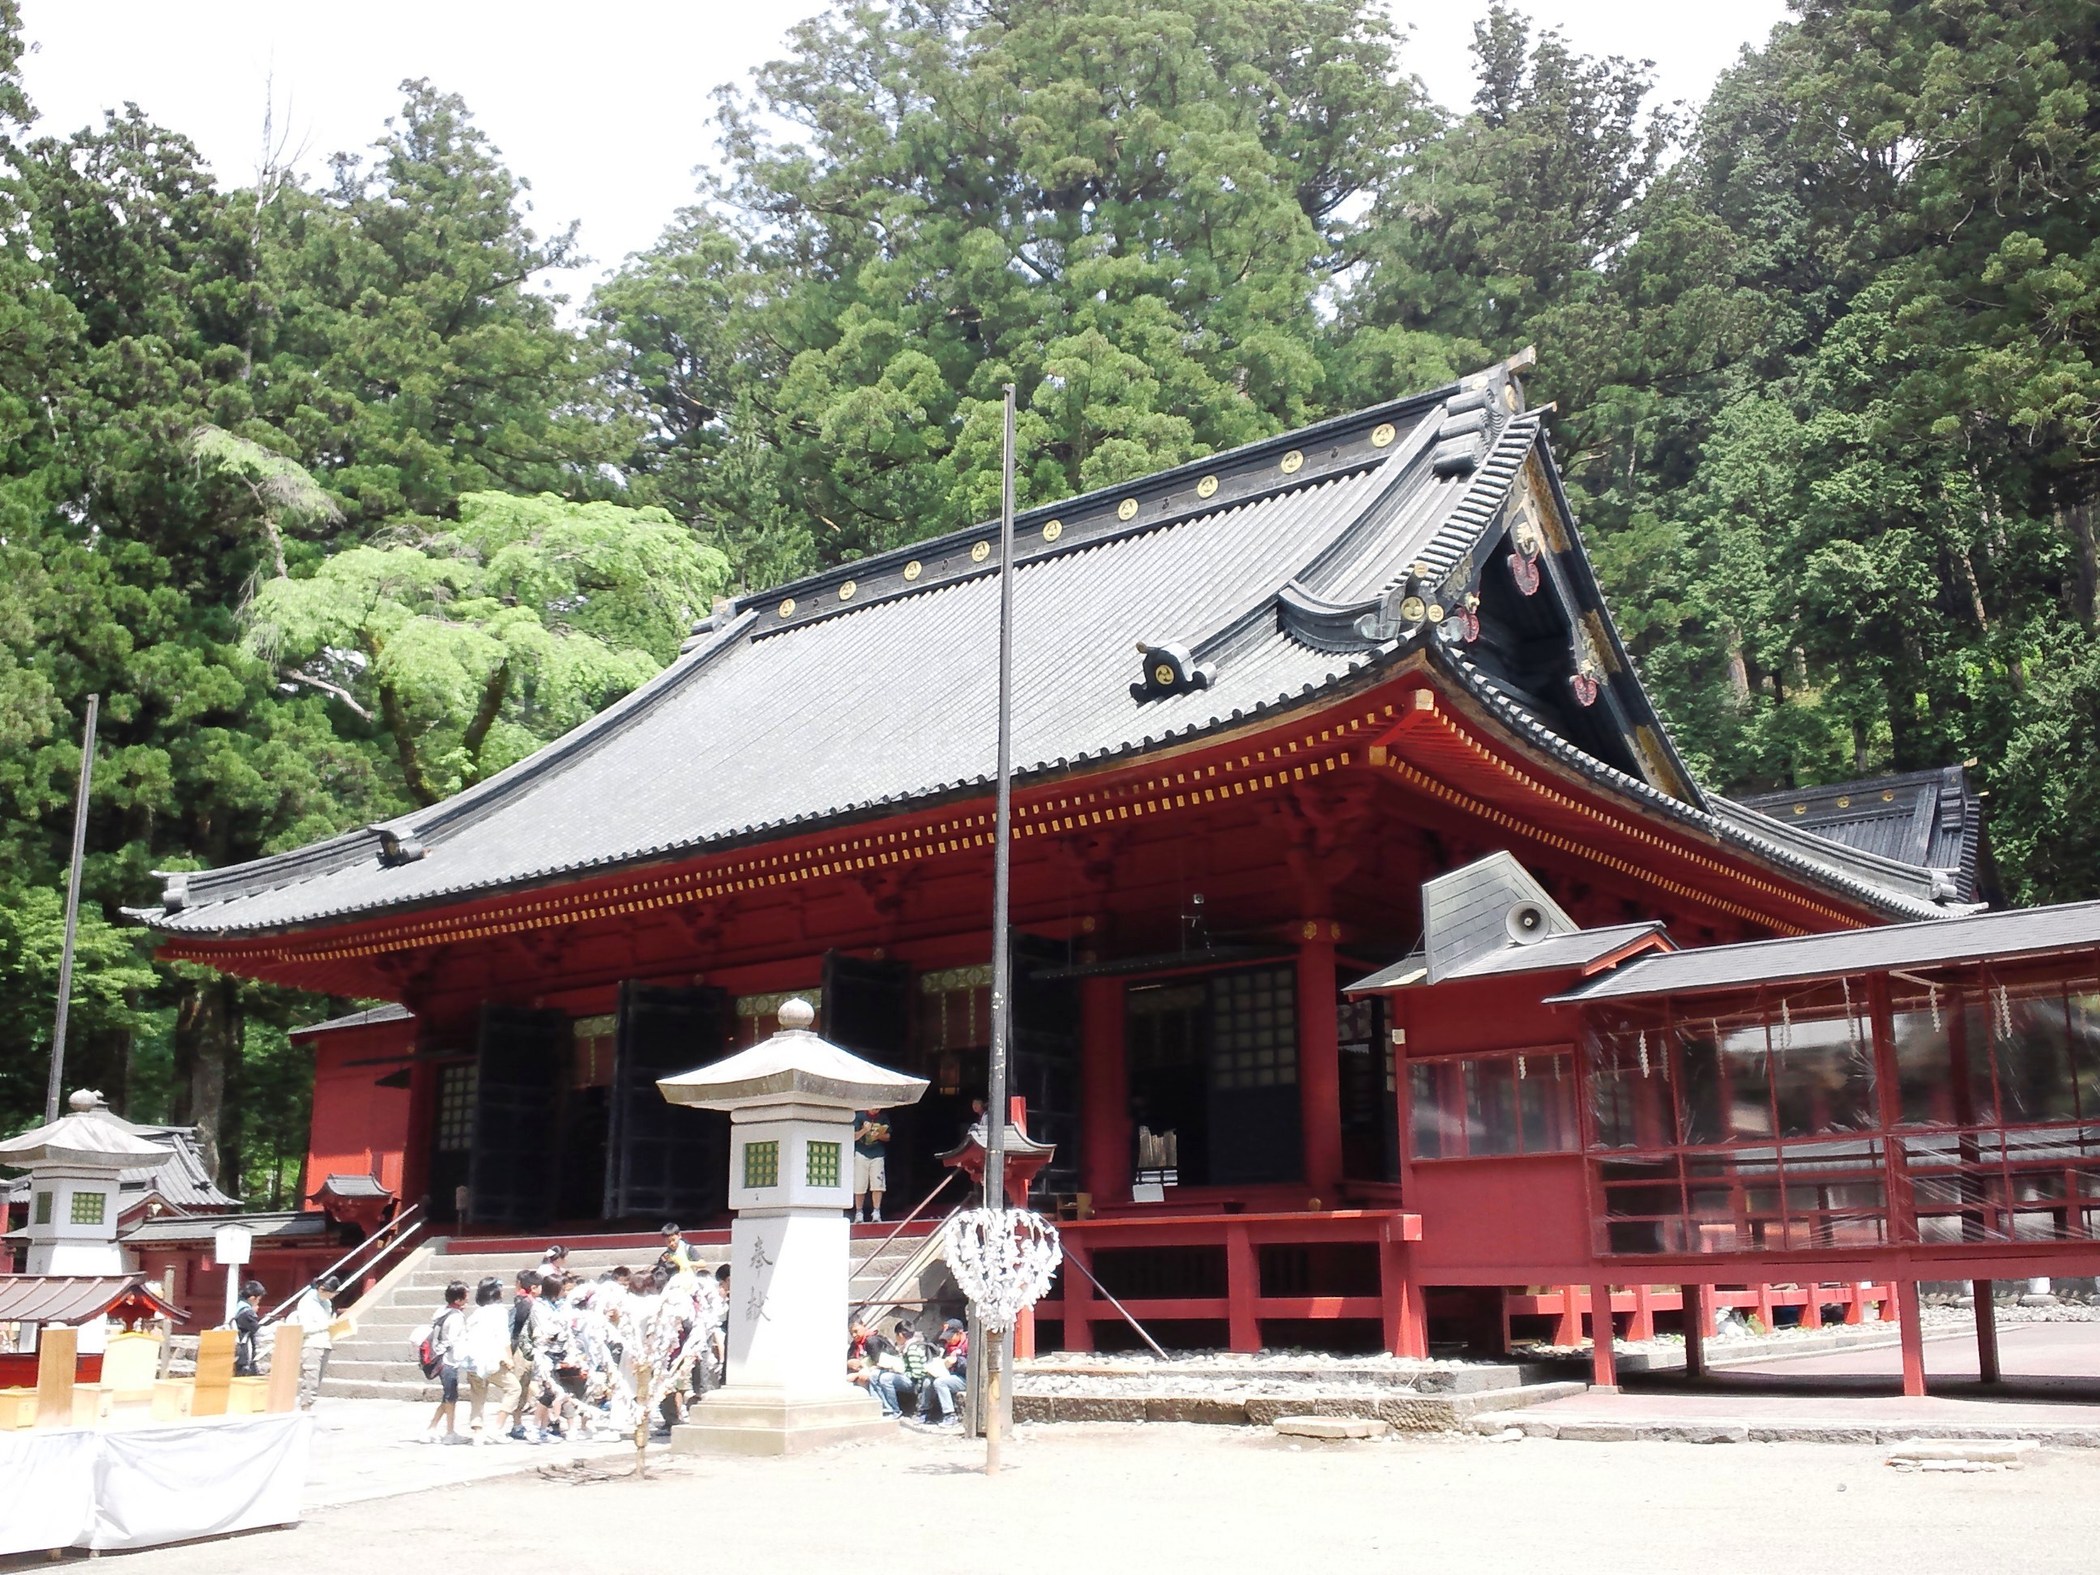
(378, 1361)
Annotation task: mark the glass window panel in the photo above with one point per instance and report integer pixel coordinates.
(1431, 1133)
(1726, 1095)
(2031, 1054)
(1927, 1088)
(1546, 1103)
(1491, 1105)
(1630, 1097)
(1822, 1076)
(2084, 1025)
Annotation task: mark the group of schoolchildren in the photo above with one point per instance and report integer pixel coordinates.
(569, 1359)
(910, 1374)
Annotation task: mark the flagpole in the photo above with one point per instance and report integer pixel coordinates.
(1002, 950)
(65, 955)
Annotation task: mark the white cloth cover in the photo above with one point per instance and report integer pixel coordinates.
(47, 1489)
(139, 1487)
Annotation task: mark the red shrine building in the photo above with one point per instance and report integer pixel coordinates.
(1262, 701)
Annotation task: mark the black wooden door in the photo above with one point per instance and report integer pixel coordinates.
(1044, 1067)
(665, 1161)
(867, 1009)
(1252, 1067)
(517, 1090)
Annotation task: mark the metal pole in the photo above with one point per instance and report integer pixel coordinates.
(1002, 950)
(65, 956)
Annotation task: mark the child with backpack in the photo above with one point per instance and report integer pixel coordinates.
(438, 1351)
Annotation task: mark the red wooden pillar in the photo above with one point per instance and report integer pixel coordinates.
(423, 1078)
(1104, 1094)
(1077, 1303)
(1642, 1326)
(1987, 1331)
(1696, 1313)
(1319, 1061)
(1242, 1287)
(1913, 1335)
(1406, 1318)
(1568, 1331)
(1604, 1366)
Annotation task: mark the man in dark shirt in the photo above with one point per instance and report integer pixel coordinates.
(871, 1147)
(247, 1325)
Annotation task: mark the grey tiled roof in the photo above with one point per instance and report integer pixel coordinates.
(1257, 580)
(279, 1226)
(179, 1180)
(1465, 912)
(1577, 950)
(1932, 819)
(1898, 890)
(352, 1186)
(385, 1012)
(1976, 937)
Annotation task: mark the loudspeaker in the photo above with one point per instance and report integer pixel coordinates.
(1525, 922)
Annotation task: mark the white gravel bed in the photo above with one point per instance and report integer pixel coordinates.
(1184, 1385)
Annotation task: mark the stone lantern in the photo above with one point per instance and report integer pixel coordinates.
(791, 1102)
(75, 1165)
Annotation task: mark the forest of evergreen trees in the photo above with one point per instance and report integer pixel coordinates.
(323, 489)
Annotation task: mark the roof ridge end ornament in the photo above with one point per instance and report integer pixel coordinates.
(1170, 668)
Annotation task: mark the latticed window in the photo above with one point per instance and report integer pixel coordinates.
(87, 1208)
(762, 1164)
(593, 1063)
(1254, 1028)
(955, 1009)
(43, 1208)
(455, 1113)
(823, 1164)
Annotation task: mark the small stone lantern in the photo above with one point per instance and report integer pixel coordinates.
(75, 1165)
(791, 1102)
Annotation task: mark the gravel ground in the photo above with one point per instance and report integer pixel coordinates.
(1261, 1373)
(1167, 1499)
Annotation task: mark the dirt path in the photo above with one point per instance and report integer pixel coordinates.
(1165, 1499)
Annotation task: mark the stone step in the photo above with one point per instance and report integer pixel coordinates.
(1406, 1412)
(417, 1389)
(379, 1360)
(1201, 1377)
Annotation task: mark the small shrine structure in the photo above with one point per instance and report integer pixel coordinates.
(1025, 1157)
(76, 1165)
(790, 1102)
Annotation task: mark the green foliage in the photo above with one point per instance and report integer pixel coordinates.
(473, 643)
(402, 347)
(1132, 212)
(317, 489)
(110, 974)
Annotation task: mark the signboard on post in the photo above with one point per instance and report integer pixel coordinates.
(230, 1244)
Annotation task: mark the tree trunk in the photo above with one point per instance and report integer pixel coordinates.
(207, 1047)
(485, 714)
(102, 1061)
(395, 715)
(2075, 520)
(1738, 671)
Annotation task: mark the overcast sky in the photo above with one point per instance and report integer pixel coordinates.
(605, 107)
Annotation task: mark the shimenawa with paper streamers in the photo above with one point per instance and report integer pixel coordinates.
(1003, 1259)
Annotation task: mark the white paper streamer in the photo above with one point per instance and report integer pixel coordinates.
(1003, 1259)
